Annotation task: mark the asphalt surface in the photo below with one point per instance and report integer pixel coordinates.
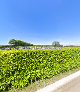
(73, 87)
(70, 83)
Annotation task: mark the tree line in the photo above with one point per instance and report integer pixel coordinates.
(19, 43)
(14, 43)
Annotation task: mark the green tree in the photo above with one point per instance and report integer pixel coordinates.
(19, 43)
(12, 42)
(56, 44)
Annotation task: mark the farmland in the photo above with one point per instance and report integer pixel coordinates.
(19, 67)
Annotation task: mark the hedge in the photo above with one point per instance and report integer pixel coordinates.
(19, 67)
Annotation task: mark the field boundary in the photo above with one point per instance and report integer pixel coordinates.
(63, 84)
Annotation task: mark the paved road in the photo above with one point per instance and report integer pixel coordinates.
(74, 86)
(70, 83)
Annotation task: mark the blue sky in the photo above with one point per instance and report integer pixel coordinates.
(40, 21)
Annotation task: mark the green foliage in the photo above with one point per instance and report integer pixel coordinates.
(17, 68)
(56, 44)
(19, 43)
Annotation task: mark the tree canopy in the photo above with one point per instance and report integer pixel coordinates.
(19, 43)
(56, 44)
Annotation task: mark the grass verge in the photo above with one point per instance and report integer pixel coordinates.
(43, 83)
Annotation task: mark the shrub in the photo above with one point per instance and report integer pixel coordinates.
(17, 68)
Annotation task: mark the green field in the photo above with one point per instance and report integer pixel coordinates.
(19, 67)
